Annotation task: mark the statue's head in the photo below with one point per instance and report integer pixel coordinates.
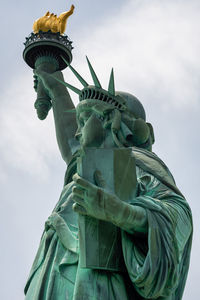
(107, 118)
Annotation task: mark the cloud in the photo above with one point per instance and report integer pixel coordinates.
(154, 48)
(26, 143)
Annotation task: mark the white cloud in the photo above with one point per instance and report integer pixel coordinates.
(154, 48)
(26, 143)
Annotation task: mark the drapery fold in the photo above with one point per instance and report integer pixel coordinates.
(160, 270)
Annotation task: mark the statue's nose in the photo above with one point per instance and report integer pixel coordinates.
(78, 134)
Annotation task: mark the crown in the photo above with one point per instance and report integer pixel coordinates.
(96, 92)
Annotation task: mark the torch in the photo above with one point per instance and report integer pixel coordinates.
(44, 49)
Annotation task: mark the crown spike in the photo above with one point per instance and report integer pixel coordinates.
(93, 74)
(78, 76)
(71, 87)
(111, 86)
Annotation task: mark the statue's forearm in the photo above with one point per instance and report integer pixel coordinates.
(65, 122)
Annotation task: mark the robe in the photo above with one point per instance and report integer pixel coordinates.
(155, 263)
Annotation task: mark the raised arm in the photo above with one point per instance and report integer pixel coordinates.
(65, 120)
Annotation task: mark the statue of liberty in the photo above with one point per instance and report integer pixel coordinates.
(144, 223)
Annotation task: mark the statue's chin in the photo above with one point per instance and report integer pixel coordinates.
(89, 143)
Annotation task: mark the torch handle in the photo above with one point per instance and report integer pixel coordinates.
(43, 101)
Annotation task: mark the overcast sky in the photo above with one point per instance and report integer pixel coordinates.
(154, 47)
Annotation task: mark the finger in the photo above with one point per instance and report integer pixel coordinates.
(44, 76)
(79, 209)
(78, 192)
(82, 182)
(59, 75)
(39, 73)
(99, 180)
(35, 72)
(78, 200)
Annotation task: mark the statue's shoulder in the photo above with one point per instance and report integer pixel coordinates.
(151, 163)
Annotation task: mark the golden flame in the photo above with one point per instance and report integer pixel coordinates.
(52, 22)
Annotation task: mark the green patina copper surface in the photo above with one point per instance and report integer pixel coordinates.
(121, 229)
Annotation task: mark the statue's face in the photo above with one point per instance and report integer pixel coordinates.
(131, 132)
(90, 129)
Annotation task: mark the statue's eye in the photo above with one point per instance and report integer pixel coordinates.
(98, 116)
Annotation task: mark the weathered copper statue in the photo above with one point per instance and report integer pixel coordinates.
(121, 228)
